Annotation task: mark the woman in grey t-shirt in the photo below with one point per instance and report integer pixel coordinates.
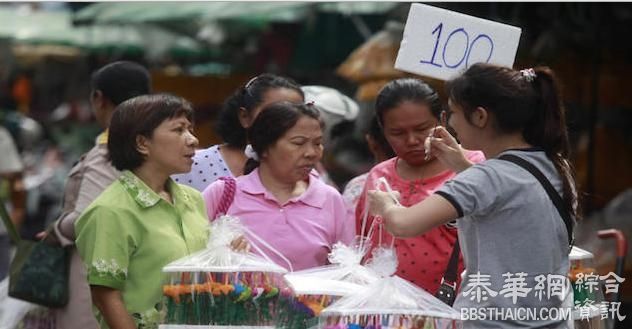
(514, 241)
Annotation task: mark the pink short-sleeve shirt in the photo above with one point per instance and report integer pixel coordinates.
(303, 229)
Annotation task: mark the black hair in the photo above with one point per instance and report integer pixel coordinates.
(375, 131)
(140, 116)
(120, 81)
(272, 123)
(406, 89)
(527, 101)
(249, 97)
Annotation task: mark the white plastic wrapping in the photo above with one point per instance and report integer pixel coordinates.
(218, 255)
(388, 302)
(391, 302)
(316, 288)
(305, 285)
(383, 261)
(579, 254)
(218, 286)
(389, 296)
(345, 267)
(587, 300)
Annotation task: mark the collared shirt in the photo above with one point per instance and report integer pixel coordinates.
(103, 137)
(90, 176)
(86, 180)
(304, 229)
(129, 233)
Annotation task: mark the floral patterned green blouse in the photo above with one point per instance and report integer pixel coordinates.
(129, 233)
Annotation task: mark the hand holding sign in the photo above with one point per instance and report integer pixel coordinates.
(439, 43)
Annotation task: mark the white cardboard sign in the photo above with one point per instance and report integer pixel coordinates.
(440, 43)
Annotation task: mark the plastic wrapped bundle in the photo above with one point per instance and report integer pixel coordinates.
(220, 286)
(587, 296)
(388, 302)
(312, 295)
(318, 287)
(582, 268)
(345, 266)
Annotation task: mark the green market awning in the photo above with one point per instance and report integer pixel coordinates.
(56, 28)
(199, 12)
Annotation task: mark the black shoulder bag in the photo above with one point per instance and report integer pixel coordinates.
(39, 271)
(447, 289)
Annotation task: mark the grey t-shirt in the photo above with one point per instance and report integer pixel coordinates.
(509, 226)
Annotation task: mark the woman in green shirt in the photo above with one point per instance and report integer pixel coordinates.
(144, 220)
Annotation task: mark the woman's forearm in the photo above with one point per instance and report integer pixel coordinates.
(110, 303)
(412, 221)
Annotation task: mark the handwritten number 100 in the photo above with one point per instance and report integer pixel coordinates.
(466, 52)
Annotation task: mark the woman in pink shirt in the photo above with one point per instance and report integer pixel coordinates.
(408, 110)
(277, 198)
(237, 114)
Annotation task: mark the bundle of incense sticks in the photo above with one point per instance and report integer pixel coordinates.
(301, 312)
(235, 298)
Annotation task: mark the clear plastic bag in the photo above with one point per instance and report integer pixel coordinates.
(389, 302)
(345, 267)
(222, 287)
(317, 288)
(587, 298)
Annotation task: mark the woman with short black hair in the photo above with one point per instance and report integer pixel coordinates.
(144, 220)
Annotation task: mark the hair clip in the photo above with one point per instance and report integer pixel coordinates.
(251, 153)
(250, 82)
(528, 74)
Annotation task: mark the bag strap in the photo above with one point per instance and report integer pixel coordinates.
(228, 195)
(550, 190)
(8, 224)
(450, 272)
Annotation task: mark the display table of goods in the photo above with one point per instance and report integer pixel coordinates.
(316, 288)
(587, 297)
(220, 287)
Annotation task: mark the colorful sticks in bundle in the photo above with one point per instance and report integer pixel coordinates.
(385, 321)
(301, 312)
(246, 298)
